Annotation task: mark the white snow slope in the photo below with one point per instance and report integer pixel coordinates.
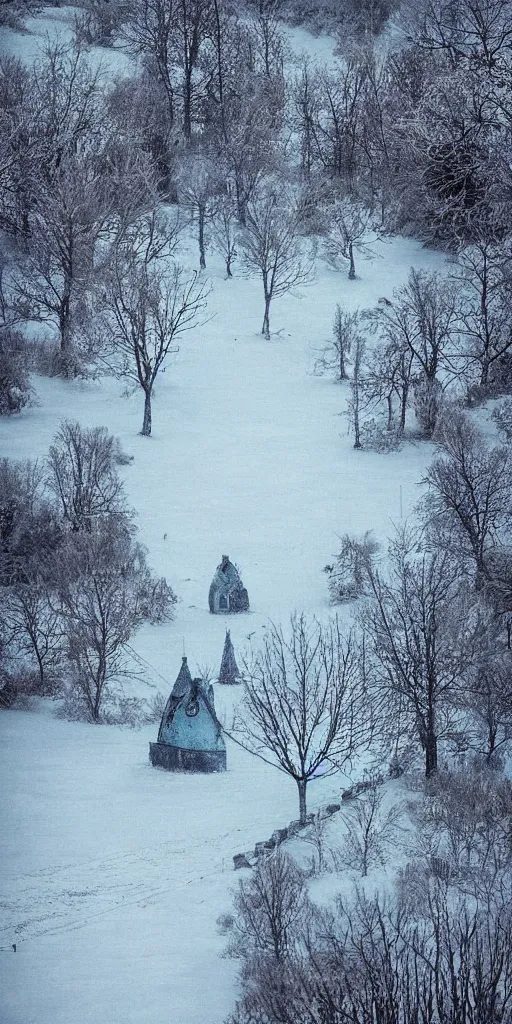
(113, 873)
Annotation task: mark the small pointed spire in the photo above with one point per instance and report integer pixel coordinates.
(229, 672)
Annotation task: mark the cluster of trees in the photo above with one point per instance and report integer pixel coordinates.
(74, 580)
(437, 948)
(437, 616)
(431, 677)
(437, 338)
(427, 665)
(219, 124)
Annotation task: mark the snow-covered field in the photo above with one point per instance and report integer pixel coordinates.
(113, 873)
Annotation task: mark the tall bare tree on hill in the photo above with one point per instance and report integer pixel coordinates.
(271, 247)
(150, 303)
(304, 708)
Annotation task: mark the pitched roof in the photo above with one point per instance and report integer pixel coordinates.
(183, 680)
(226, 575)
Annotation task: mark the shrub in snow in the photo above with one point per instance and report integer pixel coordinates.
(13, 12)
(348, 575)
(15, 389)
(96, 23)
(82, 475)
(270, 906)
(157, 600)
(155, 707)
(376, 436)
(428, 398)
(370, 832)
(465, 819)
(502, 416)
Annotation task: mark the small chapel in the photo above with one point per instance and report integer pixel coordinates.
(190, 735)
(227, 593)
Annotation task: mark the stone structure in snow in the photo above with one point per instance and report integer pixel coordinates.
(190, 735)
(227, 592)
(229, 672)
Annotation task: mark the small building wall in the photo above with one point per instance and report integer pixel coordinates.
(198, 731)
(176, 759)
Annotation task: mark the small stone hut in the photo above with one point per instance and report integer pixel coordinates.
(190, 735)
(227, 593)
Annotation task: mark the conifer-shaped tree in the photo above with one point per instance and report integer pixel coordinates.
(228, 667)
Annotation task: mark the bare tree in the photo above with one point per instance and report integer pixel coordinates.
(150, 34)
(370, 831)
(270, 906)
(420, 647)
(69, 215)
(423, 318)
(102, 575)
(388, 377)
(368, 958)
(271, 247)
(348, 575)
(33, 623)
(488, 698)
(82, 474)
(148, 306)
(304, 708)
(335, 354)
(356, 387)
(28, 524)
(200, 184)
(484, 270)
(350, 222)
(477, 32)
(469, 489)
(225, 231)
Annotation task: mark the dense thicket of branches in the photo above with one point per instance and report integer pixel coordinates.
(74, 581)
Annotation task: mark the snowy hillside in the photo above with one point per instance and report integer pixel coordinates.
(250, 456)
(114, 873)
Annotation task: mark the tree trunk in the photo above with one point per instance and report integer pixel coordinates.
(202, 214)
(65, 322)
(352, 269)
(146, 423)
(40, 664)
(265, 330)
(187, 104)
(492, 733)
(403, 407)
(484, 376)
(390, 412)
(228, 265)
(301, 785)
(342, 370)
(430, 753)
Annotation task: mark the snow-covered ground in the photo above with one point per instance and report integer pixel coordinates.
(113, 873)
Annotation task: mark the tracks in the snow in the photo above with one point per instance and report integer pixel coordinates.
(67, 897)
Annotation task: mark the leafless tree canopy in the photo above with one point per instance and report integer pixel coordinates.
(271, 247)
(82, 474)
(470, 493)
(420, 647)
(304, 708)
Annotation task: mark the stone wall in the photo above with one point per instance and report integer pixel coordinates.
(176, 759)
(249, 859)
